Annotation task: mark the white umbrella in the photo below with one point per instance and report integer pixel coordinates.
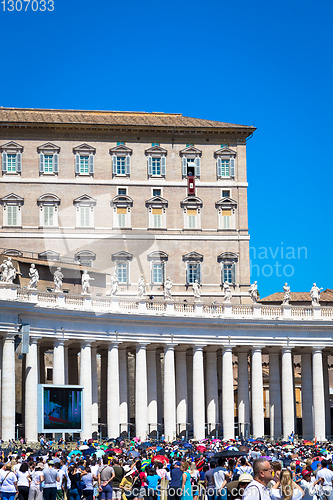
(83, 447)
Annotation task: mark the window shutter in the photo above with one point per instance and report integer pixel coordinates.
(41, 163)
(232, 167)
(184, 166)
(114, 165)
(197, 167)
(9, 216)
(56, 163)
(149, 165)
(4, 162)
(163, 165)
(222, 273)
(91, 164)
(128, 165)
(219, 167)
(77, 164)
(199, 272)
(187, 273)
(163, 271)
(233, 273)
(19, 162)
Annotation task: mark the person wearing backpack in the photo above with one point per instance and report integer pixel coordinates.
(105, 475)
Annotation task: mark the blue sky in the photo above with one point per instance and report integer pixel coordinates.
(267, 64)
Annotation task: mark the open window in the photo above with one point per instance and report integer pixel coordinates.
(121, 160)
(84, 160)
(156, 161)
(193, 262)
(191, 161)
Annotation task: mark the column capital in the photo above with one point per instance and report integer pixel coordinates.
(227, 348)
(113, 344)
(85, 343)
(169, 346)
(286, 348)
(257, 348)
(34, 340)
(142, 345)
(58, 342)
(9, 337)
(318, 348)
(198, 347)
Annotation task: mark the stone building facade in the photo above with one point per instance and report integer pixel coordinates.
(137, 193)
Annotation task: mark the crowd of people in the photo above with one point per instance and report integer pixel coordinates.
(130, 470)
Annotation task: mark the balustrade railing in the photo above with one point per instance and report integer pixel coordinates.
(158, 307)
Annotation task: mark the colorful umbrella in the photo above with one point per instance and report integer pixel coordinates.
(201, 448)
(160, 458)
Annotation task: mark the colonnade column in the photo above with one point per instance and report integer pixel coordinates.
(8, 389)
(169, 393)
(66, 364)
(212, 398)
(123, 393)
(151, 390)
(318, 394)
(31, 381)
(181, 391)
(227, 394)
(243, 395)
(113, 391)
(198, 394)
(59, 362)
(257, 393)
(327, 396)
(94, 391)
(85, 381)
(307, 397)
(141, 392)
(288, 414)
(274, 395)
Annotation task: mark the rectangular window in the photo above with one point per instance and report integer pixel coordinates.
(11, 163)
(227, 273)
(48, 164)
(155, 144)
(189, 144)
(224, 146)
(190, 167)
(225, 193)
(193, 273)
(191, 218)
(226, 218)
(121, 165)
(225, 168)
(85, 216)
(156, 166)
(122, 273)
(84, 164)
(157, 273)
(12, 215)
(121, 215)
(120, 143)
(48, 215)
(156, 192)
(157, 217)
(122, 191)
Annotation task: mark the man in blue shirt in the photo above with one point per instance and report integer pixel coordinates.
(175, 482)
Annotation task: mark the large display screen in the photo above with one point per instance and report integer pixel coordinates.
(60, 408)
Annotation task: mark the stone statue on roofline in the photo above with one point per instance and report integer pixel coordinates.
(196, 287)
(34, 277)
(141, 287)
(114, 284)
(227, 293)
(253, 291)
(315, 294)
(57, 279)
(85, 281)
(286, 296)
(8, 271)
(167, 289)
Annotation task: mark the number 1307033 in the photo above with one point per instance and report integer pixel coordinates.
(26, 5)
